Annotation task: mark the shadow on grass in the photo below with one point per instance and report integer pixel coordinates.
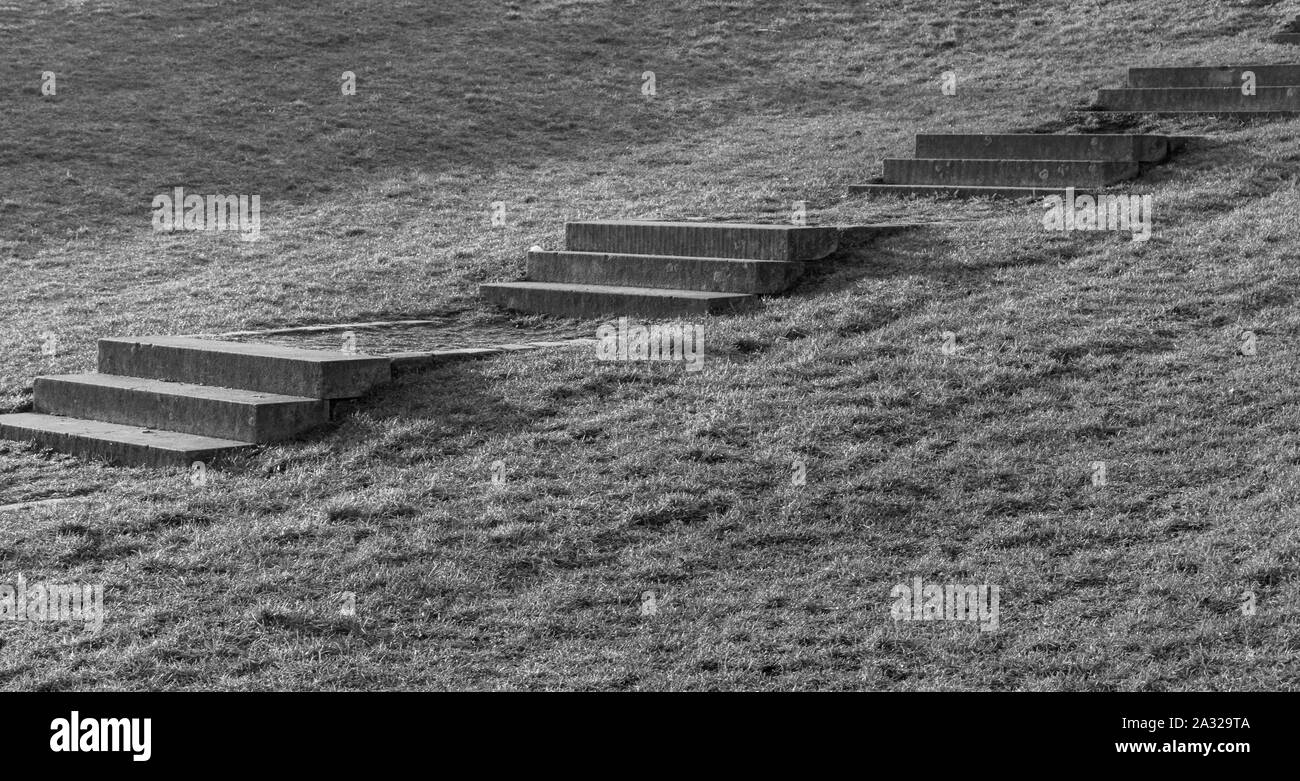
(929, 252)
(429, 414)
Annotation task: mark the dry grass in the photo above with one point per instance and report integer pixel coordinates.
(623, 479)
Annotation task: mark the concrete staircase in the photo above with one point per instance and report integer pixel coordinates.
(1017, 165)
(170, 400)
(1205, 90)
(664, 269)
(1289, 32)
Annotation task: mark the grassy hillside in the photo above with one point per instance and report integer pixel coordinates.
(622, 479)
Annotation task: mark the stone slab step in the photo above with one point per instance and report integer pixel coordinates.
(317, 374)
(702, 239)
(722, 275)
(114, 442)
(1044, 146)
(1207, 100)
(1214, 76)
(1008, 173)
(224, 413)
(573, 300)
(954, 191)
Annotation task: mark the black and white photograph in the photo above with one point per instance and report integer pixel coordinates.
(921, 351)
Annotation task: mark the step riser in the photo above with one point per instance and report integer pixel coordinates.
(347, 377)
(260, 423)
(742, 242)
(724, 276)
(1265, 76)
(591, 304)
(1100, 148)
(138, 453)
(1007, 173)
(946, 191)
(1206, 100)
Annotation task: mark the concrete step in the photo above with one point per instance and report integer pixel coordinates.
(1214, 76)
(955, 191)
(114, 442)
(721, 275)
(316, 374)
(1007, 173)
(1206, 100)
(1043, 146)
(702, 239)
(224, 413)
(573, 300)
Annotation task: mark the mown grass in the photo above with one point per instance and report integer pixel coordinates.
(622, 479)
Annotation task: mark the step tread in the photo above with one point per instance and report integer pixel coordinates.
(1042, 135)
(674, 258)
(1217, 110)
(1010, 160)
(1100, 147)
(998, 172)
(158, 439)
(966, 189)
(185, 389)
(768, 241)
(656, 292)
(267, 368)
(774, 226)
(1228, 90)
(244, 348)
(1271, 75)
(1201, 100)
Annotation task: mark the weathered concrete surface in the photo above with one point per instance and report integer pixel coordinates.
(116, 443)
(1043, 146)
(701, 239)
(1008, 173)
(951, 191)
(1207, 100)
(223, 413)
(1214, 76)
(572, 300)
(318, 374)
(723, 275)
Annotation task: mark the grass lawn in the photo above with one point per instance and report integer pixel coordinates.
(622, 479)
